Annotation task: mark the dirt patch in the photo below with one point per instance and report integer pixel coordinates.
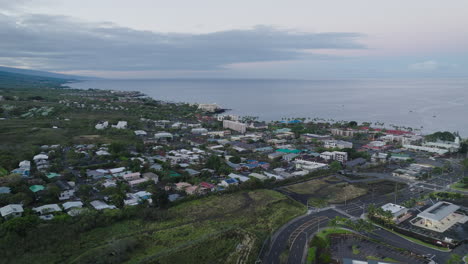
(308, 187)
(324, 191)
(87, 139)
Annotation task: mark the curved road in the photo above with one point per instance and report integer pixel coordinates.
(294, 234)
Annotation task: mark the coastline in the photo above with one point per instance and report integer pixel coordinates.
(278, 104)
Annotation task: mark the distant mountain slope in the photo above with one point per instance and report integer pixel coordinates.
(16, 80)
(43, 73)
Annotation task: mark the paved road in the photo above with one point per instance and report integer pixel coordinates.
(303, 225)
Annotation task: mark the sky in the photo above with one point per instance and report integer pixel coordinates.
(296, 39)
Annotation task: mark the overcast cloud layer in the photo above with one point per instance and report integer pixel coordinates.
(60, 43)
(233, 39)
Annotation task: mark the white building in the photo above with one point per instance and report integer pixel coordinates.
(447, 145)
(11, 211)
(199, 131)
(47, 208)
(163, 135)
(346, 132)
(309, 165)
(426, 149)
(73, 204)
(40, 157)
(234, 125)
(102, 153)
(102, 125)
(377, 144)
(341, 144)
(25, 164)
(100, 205)
(258, 176)
(120, 125)
(227, 117)
(335, 155)
(396, 210)
(379, 157)
(241, 178)
(140, 133)
(209, 107)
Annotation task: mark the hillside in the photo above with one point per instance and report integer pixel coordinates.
(42, 73)
(17, 80)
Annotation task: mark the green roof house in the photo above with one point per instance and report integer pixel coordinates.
(174, 174)
(51, 175)
(36, 188)
(295, 151)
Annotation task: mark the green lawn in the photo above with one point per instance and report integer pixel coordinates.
(311, 255)
(459, 186)
(356, 250)
(382, 259)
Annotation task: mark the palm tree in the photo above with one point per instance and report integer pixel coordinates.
(465, 166)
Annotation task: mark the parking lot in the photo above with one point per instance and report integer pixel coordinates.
(360, 248)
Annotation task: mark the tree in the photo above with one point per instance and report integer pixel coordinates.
(214, 162)
(117, 148)
(160, 198)
(335, 166)
(235, 159)
(20, 225)
(85, 191)
(53, 192)
(352, 124)
(464, 181)
(445, 136)
(455, 259)
(371, 210)
(464, 164)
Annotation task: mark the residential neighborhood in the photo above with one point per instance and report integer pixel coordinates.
(154, 164)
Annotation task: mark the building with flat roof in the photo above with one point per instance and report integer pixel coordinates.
(396, 210)
(335, 155)
(440, 217)
(209, 107)
(309, 165)
(426, 149)
(234, 125)
(341, 144)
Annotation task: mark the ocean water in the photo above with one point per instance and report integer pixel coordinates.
(426, 104)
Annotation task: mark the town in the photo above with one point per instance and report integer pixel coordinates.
(97, 162)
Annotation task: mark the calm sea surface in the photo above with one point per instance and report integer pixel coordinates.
(431, 104)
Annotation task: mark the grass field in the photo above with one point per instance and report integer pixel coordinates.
(328, 190)
(459, 186)
(217, 229)
(331, 190)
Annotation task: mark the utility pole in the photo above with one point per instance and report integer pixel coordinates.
(373, 189)
(396, 192)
